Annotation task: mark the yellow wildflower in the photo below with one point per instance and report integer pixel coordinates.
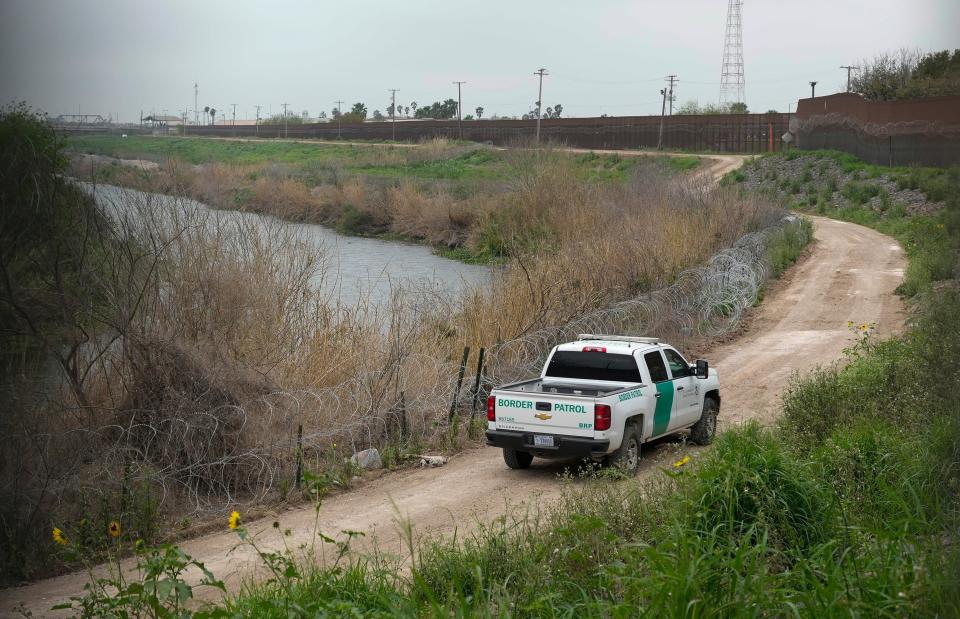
(114, 528)
(234, 520)
(681, 462)
(864, 327)
(849, 323)
(58, 536)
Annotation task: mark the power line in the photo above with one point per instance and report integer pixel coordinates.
(672, 79)
(541, 72)
(393, 113)
(849, 68)
(459, 108)
(663, 109)
(339, 116)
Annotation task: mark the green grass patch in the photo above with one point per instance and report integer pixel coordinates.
(785, 246)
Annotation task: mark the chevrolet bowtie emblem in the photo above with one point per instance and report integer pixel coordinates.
(543, 416)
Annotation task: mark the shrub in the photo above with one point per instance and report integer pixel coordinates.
(860, 193)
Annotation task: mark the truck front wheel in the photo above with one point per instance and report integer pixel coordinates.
(517, 459)
(627, 458)
(703, 431)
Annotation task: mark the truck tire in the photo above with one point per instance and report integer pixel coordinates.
(627, 458)
(705, 429)
(517, 459)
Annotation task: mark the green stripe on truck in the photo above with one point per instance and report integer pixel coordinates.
(661, 416)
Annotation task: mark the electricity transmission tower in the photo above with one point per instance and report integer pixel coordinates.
(731, 75)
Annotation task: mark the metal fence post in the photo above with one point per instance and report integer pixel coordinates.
(456, 392)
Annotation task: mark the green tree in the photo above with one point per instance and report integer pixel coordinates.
(377, 115)
(357, 114)
(445, 110)
(908, 74)
(738, 108)
(479, 112)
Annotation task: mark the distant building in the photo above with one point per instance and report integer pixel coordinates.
(159, 120)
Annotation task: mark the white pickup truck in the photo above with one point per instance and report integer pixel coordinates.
(601, 397)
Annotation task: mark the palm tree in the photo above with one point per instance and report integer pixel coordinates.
(213, 116)
(479, 112)
(206, 110)
(413, 106)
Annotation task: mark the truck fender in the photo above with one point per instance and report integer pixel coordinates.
(714, 395)
(638, 420)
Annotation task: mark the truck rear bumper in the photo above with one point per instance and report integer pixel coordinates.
(565, 446)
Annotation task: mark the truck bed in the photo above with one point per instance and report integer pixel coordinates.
(548, 386)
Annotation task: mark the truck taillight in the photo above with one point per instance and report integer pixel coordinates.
(601, 417)
(594, 349)
(491, 408)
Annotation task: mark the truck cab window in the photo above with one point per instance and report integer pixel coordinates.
(594, 366)
(678, 364)
(658, 371)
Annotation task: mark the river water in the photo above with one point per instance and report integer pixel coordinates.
(356, 268)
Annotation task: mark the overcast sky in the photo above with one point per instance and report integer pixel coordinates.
(603, 56)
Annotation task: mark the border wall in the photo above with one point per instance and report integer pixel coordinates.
(731, 133)
(892, 133)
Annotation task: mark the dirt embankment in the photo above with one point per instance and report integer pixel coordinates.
(850, 273)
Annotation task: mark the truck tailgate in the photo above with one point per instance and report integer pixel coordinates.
(553, 414)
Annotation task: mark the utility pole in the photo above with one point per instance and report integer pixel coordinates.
(459, 108)
(257, 122)
(339, 116)
(393, 112)
(663, 111)
(672, 79)
(234, 121)
(541, 72)
(849, 68)
(184, 122)
(813, 89)
(285, 134)
(196, 110)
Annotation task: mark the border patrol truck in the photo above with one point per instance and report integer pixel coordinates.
(601, 397)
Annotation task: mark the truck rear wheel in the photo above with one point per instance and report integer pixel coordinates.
(705, 429)
(627, 458)
(517, 459)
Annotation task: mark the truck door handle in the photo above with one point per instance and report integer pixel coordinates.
(679, 388)
(656, 395)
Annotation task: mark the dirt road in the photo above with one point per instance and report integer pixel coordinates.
(850, 274)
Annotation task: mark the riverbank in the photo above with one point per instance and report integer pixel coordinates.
(456, 198)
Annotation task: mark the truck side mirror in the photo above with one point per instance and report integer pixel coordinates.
(703, 368)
